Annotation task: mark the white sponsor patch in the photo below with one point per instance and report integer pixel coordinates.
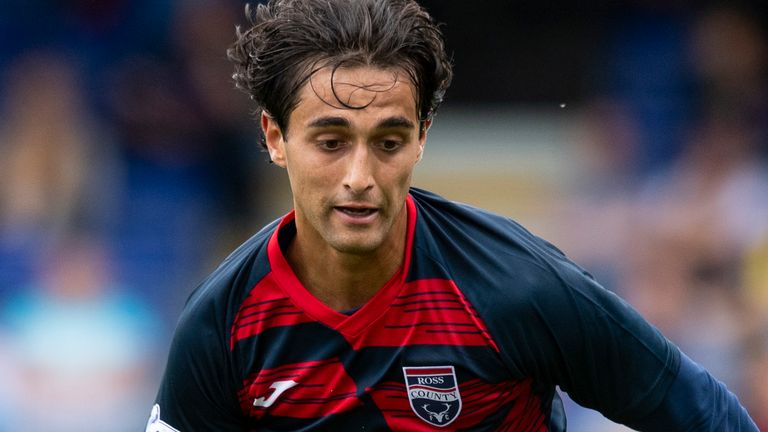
(155, 424)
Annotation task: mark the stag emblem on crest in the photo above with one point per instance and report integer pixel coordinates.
(439, 417)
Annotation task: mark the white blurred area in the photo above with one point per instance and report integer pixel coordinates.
(130, 167)
(79, 349)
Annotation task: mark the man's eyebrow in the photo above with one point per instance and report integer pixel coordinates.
(329, 122)
(395, 123)
(388, 123)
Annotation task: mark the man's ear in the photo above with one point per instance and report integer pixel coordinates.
(273, 137)
(423, 138)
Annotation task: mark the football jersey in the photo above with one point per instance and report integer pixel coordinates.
(474, 332)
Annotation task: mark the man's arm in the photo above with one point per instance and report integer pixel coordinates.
(639, 378)
(562, 328)
(696, 402)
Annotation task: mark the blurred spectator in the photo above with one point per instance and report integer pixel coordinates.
(756, 373)
(189, 155)
(57, 164)
(600, 205)
(83, 349)
(9, 378)
(672, 211)
(167, 218)
(110, 129)
(730, 58)
(756, 377)
(202, 33)
(755, 272)
(646, 67)
(696, 220)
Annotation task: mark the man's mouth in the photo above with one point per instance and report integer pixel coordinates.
(357, 211)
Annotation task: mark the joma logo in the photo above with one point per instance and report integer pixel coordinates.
(279, 388)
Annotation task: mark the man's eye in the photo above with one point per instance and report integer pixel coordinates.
(390, 145)
(330, 144)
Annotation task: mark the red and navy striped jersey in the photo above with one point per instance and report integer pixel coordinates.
(473, 333)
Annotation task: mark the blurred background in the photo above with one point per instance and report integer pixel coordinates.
(633, 135)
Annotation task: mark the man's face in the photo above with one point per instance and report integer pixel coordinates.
(350, 169)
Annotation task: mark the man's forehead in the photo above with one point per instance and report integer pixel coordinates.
(358, 87)
(377, 78)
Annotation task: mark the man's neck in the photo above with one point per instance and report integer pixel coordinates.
(344, 281)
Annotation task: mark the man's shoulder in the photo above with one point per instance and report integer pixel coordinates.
(490, 255)
(223, 290)
(480, 234)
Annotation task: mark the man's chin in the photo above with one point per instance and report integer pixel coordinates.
(356, 246)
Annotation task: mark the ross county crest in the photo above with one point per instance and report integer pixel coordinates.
(433, 393)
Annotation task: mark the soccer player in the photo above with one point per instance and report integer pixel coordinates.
(375, 306)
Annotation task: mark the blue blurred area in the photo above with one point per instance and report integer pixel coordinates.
(130, 167)
(120, 121)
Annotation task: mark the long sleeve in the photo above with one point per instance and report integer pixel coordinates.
(697, 402)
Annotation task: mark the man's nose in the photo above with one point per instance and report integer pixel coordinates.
(360, 167)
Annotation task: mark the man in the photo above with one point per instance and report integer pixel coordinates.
(376, 306)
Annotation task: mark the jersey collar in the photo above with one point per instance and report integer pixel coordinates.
(364, 316)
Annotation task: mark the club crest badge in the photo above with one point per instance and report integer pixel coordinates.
(433, 393)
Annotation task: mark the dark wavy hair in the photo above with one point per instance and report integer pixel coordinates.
(289, 40)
